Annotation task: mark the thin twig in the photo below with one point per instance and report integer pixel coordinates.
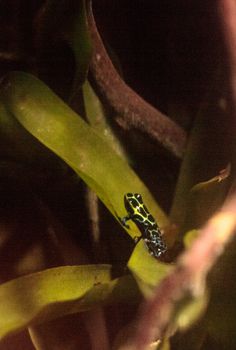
(132, 110)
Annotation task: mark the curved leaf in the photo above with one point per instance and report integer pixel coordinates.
(16, 143)
(190, 310)
(209, 149)
(205, 198)
(147, 270)
(81, 44)
(54, 124)
(49, 294)
(97, 118)
(189, 237)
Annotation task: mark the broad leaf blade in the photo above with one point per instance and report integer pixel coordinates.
(147, 270)
(55, 292)
(97, 118)
(54, 124)
(204, 199)
(47, 294)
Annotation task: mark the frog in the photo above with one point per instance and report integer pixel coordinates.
(147, 225)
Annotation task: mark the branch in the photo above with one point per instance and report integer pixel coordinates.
(189, 276)
(187, 279)
(133, 111)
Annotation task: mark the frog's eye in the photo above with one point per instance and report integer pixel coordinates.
(138, 197)
(128, 198)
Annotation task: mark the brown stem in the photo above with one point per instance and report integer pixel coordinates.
(189, 275)
(132, 110)
(187, 279)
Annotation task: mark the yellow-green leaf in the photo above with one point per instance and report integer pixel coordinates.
(60, 129)
(204, 199)
(55, 292)
(190, 310)
(147, 270)
(189, 237)
(96, 115)
(209, 149)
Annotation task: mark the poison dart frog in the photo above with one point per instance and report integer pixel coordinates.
(150, 232)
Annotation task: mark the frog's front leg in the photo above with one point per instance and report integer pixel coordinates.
(137, 239)
(124, 221)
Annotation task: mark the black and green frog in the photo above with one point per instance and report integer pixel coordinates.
(150, 231)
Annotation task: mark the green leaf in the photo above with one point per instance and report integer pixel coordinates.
(164, 345)
(190, 310)
(60, 129)
(55, 292)
(72, 29)
(189, 237)
(209, 149)
(97, 118)
(205, 198)
(147, 270)
(17, 144)
(81, 44)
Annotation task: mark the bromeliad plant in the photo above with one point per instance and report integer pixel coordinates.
(172, 276)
